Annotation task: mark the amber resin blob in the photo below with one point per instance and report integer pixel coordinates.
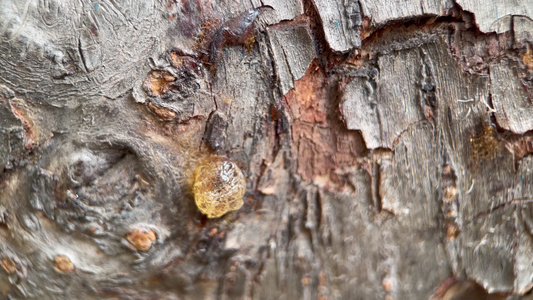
(219, 186)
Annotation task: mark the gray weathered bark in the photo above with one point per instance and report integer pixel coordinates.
(385, 144)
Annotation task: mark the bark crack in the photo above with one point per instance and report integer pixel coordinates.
(375, 185)
(80, 50)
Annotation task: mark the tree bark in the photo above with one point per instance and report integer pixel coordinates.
(385, 145)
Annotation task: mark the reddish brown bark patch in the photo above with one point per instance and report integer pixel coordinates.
(322, 142)
(22, 114)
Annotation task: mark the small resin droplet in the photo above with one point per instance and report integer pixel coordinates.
(219, 186)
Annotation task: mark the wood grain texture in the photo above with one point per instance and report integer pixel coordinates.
(283, 10)
(382, 12)
(11, 131)
(388, 108)
(341, 23)
(292, 58)
(515, 115)
(522, 28)
(494, 16)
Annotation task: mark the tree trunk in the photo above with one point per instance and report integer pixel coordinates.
(385, 146)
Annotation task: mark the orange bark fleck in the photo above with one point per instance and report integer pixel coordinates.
(22, 114)
(141, 238)
(63, 264)
(162, 112)
(159, 82)
(452, 230)
(8, 264)
(527, 58)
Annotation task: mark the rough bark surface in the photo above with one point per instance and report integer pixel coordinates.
(385, 144)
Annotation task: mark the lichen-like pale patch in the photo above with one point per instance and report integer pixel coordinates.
(219, 186)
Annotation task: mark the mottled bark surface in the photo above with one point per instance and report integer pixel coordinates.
(385, 145)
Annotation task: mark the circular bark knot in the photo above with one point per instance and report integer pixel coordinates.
(219, 186)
